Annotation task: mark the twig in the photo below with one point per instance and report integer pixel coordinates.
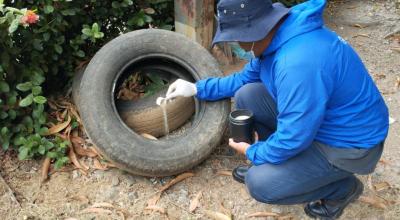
(10, 191)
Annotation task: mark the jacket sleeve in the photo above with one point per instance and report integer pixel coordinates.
(302, 96)
(212, 89)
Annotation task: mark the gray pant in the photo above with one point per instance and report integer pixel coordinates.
(309, 176)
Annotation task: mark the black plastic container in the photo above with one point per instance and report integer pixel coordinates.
(242, 130)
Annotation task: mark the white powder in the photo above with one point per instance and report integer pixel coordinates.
(242, 117)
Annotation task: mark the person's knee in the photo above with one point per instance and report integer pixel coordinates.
(261, 187)
(245, 95)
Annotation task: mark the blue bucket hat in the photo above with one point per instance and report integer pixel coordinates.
(247, 20)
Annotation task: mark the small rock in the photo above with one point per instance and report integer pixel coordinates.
(130, 179)
(75, 174)
(115, 181)
(133, 196)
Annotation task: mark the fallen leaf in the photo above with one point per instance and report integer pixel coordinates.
(103, 205)
(374, 201)
(45, 170)
(397, 81)
(361, 35)
(155, 208)
(286, 217)
(369, 181)
(149, 136)
(110, 165)
(153, 200)
(71, 219)
(264, 214)
(81, 198)
(84, 165)
(77, 142)
(397, 49)
(216, 215)
(95, 210)
(59, 127)
(72, 157)
(176, 180)
(225, 210)
(97, 165)
(358, 25)
(381, 186)
(224, 173)
(194, 203)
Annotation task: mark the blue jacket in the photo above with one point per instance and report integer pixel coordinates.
(322, 89)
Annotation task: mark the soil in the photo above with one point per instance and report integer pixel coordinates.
(365, 24)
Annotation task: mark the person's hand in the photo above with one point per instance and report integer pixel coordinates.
(241, 147)
(181, 88)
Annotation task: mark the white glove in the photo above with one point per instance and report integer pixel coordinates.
(181, 88)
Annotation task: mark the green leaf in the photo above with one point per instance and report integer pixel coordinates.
(60, 162)
(5, 145)
(24, 87)
(80, 53)
(58, 48)
(3, 115)
(37, 79)
(41, 149)
(51, 155)
(115, 4)
(4, 87)
(13, 26)
(23, 153)
(98, 35)
(12, 114)
(36, 90)
(37, 44)
(27, 101)
(39, 99)
(87, 32)
(48, 9)
(44, 131)
(95, 28)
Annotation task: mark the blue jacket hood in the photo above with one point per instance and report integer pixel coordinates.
(302, 18)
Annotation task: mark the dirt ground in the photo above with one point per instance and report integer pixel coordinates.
(115, 194)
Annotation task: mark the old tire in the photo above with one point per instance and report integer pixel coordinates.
(118, 143)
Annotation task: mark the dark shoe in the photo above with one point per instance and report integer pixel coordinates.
(239, 173)
(328, 210)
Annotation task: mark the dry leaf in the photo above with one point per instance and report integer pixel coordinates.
(109, 165)
(45, 169)
(176, 180)
(77, 143)
(286, 217)
(381, 186)
(397, 49)
(398, 81)
(149, 136)
(155, 208)
(362, 35)
(153, 201)
(71, 219)
(225, 210)
(195, 202)
(358, 25)
(103, 205)
(97, 165)
(374, 201)
(216, 215)
(264, 214)
(59, 127)
(72, 157)
(370, 186)
(95, 210)
(84, 165)
(81, 198)
(224, 173)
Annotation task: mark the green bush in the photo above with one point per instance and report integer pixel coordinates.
(38, 57)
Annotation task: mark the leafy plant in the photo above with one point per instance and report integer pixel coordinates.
(41, 44)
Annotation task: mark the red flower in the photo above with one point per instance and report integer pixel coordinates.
(30, 17)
